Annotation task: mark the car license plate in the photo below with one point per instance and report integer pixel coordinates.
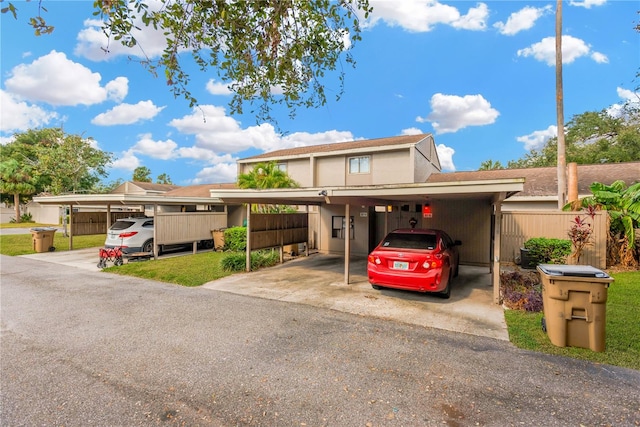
(400, 265)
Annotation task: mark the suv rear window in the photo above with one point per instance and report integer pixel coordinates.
(410, 241)
(121, 225)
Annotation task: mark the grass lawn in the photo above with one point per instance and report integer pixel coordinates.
(622, 327)
(22, 244)
(188, 270)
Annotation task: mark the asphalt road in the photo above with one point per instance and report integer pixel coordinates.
(82, 348)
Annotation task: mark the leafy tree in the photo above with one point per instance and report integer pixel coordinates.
(490, 165)
(264, 176)
(163, 178)
(142, 174)
(591, 138)
(50, 160)
(254, 46)
(15, 180)
(622, 203)
(104, 188)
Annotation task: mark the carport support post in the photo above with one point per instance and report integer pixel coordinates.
(347, 242)
(248, 254)
(155, 231)
(495, 261)
(70, 227)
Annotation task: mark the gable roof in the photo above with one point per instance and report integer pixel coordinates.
(339, 147)
(544, 181)
(131, 187)
(200, 190)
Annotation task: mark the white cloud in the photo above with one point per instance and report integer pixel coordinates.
(450, 113)
(94, 45)
(221, 172)
(445, 154)
(423, 15)
(164, 150)
(56, 80)
(127, 161)
(411, 131)
(572, 49)
(19, 116)
(587, 3)
(600, 58)
(629, 97)
(522, 20)
(126, 114)
(219, 133)
(217, 88)
(117, 89)
(537, 139)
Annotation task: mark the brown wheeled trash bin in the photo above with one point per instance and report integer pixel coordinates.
(43, 239)
(218, 239)
(574, 298)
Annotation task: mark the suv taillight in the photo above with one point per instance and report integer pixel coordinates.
(127, 234)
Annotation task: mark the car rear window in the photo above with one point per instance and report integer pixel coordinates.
(410, 241)
(121, 225)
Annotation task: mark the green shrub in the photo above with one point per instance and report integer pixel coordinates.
(235, 239)
(23, 218)
(548, 251)
(259, 259)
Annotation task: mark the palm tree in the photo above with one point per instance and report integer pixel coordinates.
(562, 161)
(266, 175)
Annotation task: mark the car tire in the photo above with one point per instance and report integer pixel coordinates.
(447, 291)
(148, 246)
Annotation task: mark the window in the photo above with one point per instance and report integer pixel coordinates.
(338, 227)
(359, 164)
(282, 167)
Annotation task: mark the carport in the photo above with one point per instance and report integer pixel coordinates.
(481, 199)
(198, 230)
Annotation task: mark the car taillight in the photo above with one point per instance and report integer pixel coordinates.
(433, 261)
(127, 234)
(374, 260)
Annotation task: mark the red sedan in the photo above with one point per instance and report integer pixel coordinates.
(414, 259)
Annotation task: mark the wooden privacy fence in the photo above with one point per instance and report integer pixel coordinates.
(89, 223)
(520, 226)
(183, 227)
(273, 230)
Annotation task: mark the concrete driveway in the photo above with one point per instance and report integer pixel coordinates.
(318, 280)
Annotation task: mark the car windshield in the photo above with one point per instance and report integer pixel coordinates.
(410, 241)
(121, 225)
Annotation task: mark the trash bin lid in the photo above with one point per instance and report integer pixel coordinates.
(572, 270)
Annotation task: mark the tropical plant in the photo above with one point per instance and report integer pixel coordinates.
(271, 51)
(580, 233)
(267, 175)
(622, 204)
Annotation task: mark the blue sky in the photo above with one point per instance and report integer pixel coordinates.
(478, 75)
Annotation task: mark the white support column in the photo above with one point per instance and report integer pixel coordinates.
(495, 256)
(70, 227)
(248, 254)
(347, 242)
(155, 231)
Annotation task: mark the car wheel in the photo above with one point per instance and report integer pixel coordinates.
(457, 270)
(447, 291)
(376, 287)
(148, 246)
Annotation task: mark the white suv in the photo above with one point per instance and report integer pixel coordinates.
(131, 234)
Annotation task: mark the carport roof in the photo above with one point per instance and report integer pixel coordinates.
(376, 194)
(123, 199)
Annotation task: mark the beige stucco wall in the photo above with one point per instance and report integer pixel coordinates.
(330, 171)
(391, 167)
(360, 242)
